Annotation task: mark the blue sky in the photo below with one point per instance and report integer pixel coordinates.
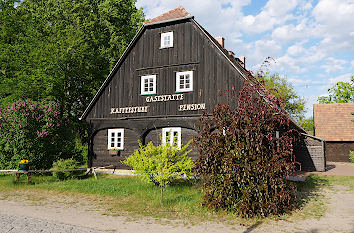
(311, 41)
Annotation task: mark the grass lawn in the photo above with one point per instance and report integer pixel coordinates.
(128, 195)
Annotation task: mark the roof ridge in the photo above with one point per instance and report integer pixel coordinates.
(176, 13)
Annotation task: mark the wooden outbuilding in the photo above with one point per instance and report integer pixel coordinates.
(171, 71)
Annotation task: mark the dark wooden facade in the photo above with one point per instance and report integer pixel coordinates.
(194, 49)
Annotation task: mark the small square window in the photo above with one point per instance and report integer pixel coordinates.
(148, 85)
(184, 81)
(116, 139)
(172, 136)
(167, 40)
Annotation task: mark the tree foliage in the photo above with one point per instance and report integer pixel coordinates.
(242, 162)
(280, 87)
(160, 164)
(308, 125)
(39, 132)
(62, 50)
(341, 92)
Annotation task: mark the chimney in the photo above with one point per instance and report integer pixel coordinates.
(243, 60)
(221, 41)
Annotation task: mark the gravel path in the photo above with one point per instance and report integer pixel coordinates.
(34, 211)
(18, 223)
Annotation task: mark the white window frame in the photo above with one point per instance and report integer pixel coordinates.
(163, 36)
(178, 79)
(172, 130)
(115, 139)
(147, 77)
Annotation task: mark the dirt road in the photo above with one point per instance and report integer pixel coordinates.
(62, 213)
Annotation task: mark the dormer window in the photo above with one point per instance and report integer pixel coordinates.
(148, 85)
(184, 81)
(166, 39)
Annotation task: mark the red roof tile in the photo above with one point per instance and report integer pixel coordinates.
(177, 13)
(333, 121)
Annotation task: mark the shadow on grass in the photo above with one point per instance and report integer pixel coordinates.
(182, 183)
(34, 179)
(180, 188)
(308, 190)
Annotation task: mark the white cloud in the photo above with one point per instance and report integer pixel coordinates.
(256, 52)
(266, 47)
(335, 13)
(333, 65)
(295, 50)
(328, 83)
(306, 6)
(340, 78)
(287, 64)
(314, 54)
(297, 81)
(352, 63)
(275, 12)
(294, 32)
(335, 24)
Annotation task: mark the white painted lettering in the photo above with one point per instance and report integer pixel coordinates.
(129, 110)
(191, 107)
(164, 98)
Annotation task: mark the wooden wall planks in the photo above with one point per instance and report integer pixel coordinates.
(192, 50)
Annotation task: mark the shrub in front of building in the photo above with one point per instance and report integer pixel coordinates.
(161, 164)
(245, 156)
(67, 169)
(37, 131)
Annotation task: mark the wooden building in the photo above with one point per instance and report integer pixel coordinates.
(333, 122)
(171, 71)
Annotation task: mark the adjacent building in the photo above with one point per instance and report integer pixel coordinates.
(334, 123)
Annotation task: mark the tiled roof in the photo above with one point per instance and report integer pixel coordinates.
(177, 13)
(333, 121)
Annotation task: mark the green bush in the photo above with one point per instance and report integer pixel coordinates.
(161, 164)
(66, 164)
(351, 156)
(246, 153)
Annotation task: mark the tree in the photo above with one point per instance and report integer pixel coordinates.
(245, 155)
(308, 125)
(280, 87)
(160, 164)
(62, 50)
(341, 92)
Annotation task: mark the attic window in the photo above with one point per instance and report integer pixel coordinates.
(148, 85)
(184, 81)
(166, 39)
